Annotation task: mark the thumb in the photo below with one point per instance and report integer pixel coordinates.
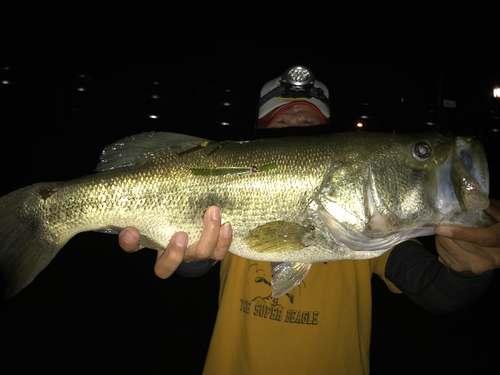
(494, 209)
(485, 237)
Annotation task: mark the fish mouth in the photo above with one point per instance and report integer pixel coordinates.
(463, 179)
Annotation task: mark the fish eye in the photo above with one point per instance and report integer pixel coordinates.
(421, 151)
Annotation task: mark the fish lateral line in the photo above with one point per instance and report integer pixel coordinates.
(223, 171)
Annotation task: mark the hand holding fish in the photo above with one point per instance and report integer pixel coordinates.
(213, 244)
(472, 250)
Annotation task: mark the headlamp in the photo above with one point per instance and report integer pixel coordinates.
(297, 83)
(298, 76)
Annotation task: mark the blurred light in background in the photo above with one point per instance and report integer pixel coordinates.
(6, 75)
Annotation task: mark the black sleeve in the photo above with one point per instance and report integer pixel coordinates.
(429, 283)
(195, 269)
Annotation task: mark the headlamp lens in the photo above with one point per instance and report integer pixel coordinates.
(299, 75)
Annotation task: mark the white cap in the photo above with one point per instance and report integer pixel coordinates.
(269, 106)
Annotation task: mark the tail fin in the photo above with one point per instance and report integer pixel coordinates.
(25, 247)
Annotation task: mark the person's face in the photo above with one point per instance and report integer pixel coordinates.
(297, 115)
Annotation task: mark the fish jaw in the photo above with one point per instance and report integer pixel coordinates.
(470, 177)
(463, 186)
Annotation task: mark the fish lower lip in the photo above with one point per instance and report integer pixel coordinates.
(467, 151)
(469, 176)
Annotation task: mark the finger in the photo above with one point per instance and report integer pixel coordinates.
(448, 250)
(494, 209)
(169, 259)
(224, 242)
(465, 257)
(485, 237)
(452, 264)
(204, 248)
(128, 239)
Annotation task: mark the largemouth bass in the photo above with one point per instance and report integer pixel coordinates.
(295, 201)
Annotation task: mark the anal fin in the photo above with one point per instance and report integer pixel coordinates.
(287, 276)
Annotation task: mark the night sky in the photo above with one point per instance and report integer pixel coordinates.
(96, 309)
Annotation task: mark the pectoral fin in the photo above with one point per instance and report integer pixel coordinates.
(287, 276)
(278, 236)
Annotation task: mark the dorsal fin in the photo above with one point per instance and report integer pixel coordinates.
(137, 148)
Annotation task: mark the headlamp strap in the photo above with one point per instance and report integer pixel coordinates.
(286, 93)
(276, 92)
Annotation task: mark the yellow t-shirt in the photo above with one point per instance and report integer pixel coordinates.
(323, 326)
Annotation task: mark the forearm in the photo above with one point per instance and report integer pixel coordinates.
(429, 283)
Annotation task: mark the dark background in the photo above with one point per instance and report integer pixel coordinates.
(96, 309)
